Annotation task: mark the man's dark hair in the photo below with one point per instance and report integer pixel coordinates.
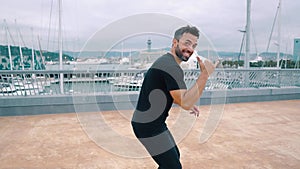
(186, 29)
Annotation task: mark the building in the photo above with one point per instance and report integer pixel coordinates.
(296, 53)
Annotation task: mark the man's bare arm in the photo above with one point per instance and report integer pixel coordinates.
(187, 98)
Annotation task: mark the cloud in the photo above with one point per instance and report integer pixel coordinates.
(218, 19)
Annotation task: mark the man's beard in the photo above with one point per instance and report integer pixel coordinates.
(179, 54)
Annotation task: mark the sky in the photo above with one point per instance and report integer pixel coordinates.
(219, 20)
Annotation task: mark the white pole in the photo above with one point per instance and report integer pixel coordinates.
(20, 48)
(8, 46)
(60, 50)
(32, 53)
(279, 33)
(248, 29)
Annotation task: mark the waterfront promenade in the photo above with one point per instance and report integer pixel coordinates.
(250, 135)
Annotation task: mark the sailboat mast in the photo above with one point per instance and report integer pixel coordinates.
(20, 48)
(248, 29)
(32, 53)
(8, 45)
(279, 33)
(21, 56)
(60, 48)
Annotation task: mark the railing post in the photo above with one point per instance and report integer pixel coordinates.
(61, 75)
(247, 79)
(279, 78)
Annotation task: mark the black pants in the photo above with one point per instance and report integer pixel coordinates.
(160, 143)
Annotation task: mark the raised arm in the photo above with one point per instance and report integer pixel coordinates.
(187, 98)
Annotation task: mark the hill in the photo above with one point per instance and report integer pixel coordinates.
(27, 56)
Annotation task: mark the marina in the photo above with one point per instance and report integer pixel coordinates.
(26, 83)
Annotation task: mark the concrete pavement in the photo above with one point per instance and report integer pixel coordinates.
(249, 135)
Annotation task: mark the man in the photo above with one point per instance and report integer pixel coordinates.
(164, 85)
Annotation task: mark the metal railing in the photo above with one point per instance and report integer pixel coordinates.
(29, 83)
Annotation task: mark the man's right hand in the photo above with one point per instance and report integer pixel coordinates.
(207, 68)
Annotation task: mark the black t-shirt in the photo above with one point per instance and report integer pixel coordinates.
(155, 100)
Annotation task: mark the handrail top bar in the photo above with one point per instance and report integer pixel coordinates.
(67, 71)
(123, 70)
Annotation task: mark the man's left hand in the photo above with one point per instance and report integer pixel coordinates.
(195, 110)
